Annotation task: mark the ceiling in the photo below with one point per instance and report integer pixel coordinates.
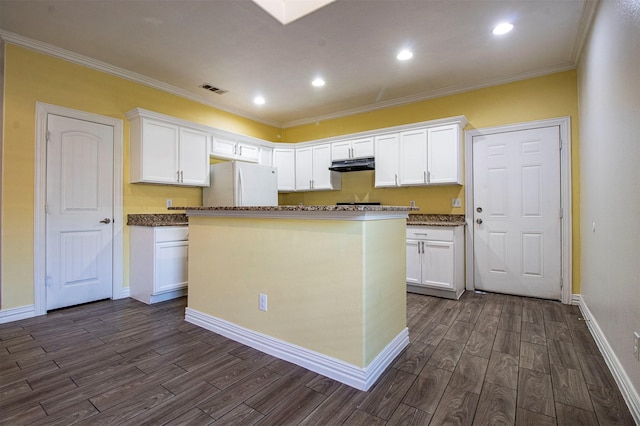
(235, 45)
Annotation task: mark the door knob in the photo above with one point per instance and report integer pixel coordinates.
(105, 220)
(479, 221)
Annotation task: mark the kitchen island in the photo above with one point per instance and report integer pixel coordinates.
(332, 280)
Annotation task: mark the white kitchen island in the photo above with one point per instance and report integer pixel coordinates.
(333, 277)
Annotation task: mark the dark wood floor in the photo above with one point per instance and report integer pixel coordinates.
(484, 360)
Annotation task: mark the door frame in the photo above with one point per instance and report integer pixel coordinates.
(564, 124)
(40, 192)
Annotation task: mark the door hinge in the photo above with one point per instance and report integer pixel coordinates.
(561, 283)
(561, 212)
(560, 142)
(48, 137)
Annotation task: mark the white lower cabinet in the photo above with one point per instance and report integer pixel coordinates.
(159, 262)
(435, 260)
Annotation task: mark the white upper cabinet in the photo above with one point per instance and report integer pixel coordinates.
(265, 156)
(234, 150)
(444, 154)
(387, 160)
(413, 157)
(431, 156)
(193, 171)
(312, 169)
(353, 148)
(284, 160)
(167, 153)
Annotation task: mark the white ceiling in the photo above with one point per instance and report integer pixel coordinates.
(235, 45)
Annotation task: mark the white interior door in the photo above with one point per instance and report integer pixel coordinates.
(517, 217)
(79, 217)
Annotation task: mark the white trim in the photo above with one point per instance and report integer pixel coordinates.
(433, 94)
(67, 55)
(16, 314)
(40, 186)
(349, 374)
(564, 124)
(86, 61)
(627, 389)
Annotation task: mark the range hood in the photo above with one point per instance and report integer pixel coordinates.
(354, 165)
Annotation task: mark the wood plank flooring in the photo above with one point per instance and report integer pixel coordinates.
(486, 359)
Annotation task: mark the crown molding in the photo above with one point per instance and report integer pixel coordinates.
(454, 90)
(588, 13)
(57, 52)
(41, 47)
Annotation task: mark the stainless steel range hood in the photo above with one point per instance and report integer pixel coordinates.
(354, 165)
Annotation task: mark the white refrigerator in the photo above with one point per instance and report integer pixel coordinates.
(236, 183)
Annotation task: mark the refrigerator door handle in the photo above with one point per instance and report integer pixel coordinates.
(239, 188)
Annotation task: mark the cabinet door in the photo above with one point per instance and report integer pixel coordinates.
(414, 262)
(341, 150)
(413, 157)
(321, 162)
(194, 157)
(224, 148)
(247, 152)
(171, 266)
(387, 160)
(159, 152)
(444, 155)
(304, 168)
(362, 148)
(265, 156)
(438, 264)
(284, 161)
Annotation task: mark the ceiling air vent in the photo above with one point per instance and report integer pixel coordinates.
(213, 89)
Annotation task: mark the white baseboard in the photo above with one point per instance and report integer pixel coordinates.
(349, 374)
(627, 389)
(15, 314)
(123, 294)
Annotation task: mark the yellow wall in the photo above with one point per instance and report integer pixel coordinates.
(32, 77)
(539, 98)
(336, 287)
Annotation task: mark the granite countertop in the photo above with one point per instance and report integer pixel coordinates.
(436, 220)
(157, 219)
(181, 219)
(328, 208)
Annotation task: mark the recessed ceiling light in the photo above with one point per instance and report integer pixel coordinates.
(259, 100)
(318, 82)
(502, 28)
(404, 55)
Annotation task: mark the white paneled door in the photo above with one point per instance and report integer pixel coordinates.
(79, 209)
(517, 217)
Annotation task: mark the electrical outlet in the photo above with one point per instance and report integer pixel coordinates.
(412, 203)
(262, 302)
(169, 202)
(636, 345)
(456, 202)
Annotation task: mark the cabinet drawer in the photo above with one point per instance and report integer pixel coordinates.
(434, 233)
(172, 233)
